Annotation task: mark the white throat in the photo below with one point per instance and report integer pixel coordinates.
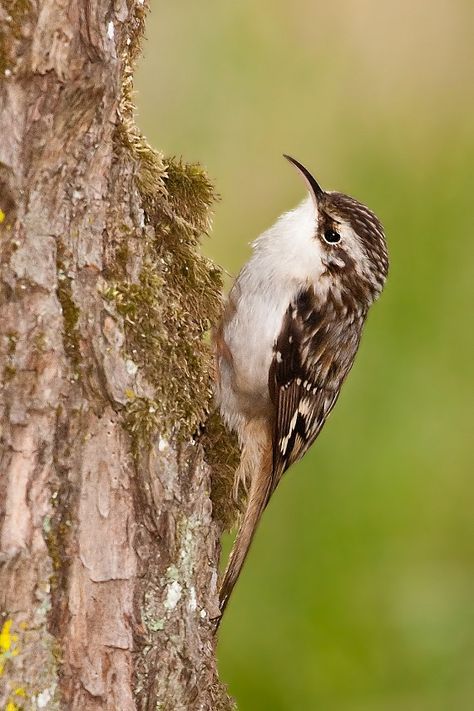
(288, 250)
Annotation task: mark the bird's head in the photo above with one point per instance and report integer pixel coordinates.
(350, 240)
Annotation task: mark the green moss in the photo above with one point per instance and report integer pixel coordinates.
(176, 299)
(57, 534)
(9, 373)
(220, 700)
(39, 342)
(222, 454)
(10, 370)
(142, 420)
(70, 315)
(12, 30)
(12, 341)
(122, 254)
(170, 308)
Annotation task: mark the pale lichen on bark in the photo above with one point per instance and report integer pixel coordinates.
(109, 540)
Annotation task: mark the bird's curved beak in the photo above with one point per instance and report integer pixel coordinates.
(313, 186)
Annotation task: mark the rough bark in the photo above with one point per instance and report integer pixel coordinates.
(109, 540)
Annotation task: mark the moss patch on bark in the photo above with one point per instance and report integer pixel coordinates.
(169, 308)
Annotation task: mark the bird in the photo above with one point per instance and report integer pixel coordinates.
(287, 338)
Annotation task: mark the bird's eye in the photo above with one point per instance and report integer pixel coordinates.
(332, 237)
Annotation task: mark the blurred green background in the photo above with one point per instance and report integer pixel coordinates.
(359, 591)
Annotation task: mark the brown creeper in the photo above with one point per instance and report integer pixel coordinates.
(288, 337)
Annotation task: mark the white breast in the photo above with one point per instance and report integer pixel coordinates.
(286, 258)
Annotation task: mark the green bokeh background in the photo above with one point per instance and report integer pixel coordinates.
(358, 594)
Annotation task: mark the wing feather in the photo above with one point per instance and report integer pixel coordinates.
(312, 356)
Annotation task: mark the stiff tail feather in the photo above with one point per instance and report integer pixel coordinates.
(256, 465)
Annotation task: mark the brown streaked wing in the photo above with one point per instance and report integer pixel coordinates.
(312, 356)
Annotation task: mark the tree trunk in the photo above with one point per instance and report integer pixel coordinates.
(109, 539)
